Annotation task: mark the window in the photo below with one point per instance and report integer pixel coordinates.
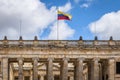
(117, 67)
(56, 77)
(0, 66)
(27, 78)
(16, 78)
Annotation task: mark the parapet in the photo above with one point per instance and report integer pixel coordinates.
(6, 43)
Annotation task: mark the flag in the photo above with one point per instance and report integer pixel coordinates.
(63, 16)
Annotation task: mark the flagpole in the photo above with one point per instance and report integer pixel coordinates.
(57, 29)
(95, 29)
(64, 17)
(20, 26)
(57, 25)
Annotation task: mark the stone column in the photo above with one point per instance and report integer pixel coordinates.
(100, 71)
(35, 68)
(95, 69)
(5, 68)
(50, 69)
(20, 69)
(79, 69)
(31, 74)
(61, 67)
(71, 78)
(42, 77)
(111, 69)
(64, 71)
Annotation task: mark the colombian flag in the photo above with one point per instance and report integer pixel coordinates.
(64, 16)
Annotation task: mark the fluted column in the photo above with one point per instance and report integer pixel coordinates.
(100, 71)
(31, 74)
(50, 69)
(64, 71)
(111, 69)
(35, 68)
(95, 69)
(42, 77)
(20, 69)
(79, 69)
(71, 78)
(5, 68)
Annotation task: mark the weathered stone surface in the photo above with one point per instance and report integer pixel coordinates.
(64, 69)
(96, 69)
(40, 52)
(20, 69)
(50, 69)
(5, 68)
(111, 69)
(35, 68)
(79, 69)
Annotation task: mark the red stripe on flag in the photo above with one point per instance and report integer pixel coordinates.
(63, 18)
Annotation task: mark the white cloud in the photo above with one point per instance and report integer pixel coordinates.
(85, 5)
(62, 31)
(33, 13)
(66, 7)
(108, 25)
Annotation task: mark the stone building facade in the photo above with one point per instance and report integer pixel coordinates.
(59, 59)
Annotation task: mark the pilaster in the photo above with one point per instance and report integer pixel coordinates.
(64, 67)
(35, 68)
(79, 69)
(96, 69)
(5, 68)
(50, 69)
(20, 69)
(111, 69)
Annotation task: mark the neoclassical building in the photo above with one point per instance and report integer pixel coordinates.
(59, 59)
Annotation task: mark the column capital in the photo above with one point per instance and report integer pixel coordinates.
(80, 59)
(35, 58)
(65, 58)
(4, 58)
(50, 58)
(96, 59)
(20, 58)
(111, 58)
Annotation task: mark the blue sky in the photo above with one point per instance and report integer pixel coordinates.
(90, 18)
(83, 16)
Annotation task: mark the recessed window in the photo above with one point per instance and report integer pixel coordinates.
(117, 67)
(0, 66)
(56, 77)
(16, 78)
(27, 78)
